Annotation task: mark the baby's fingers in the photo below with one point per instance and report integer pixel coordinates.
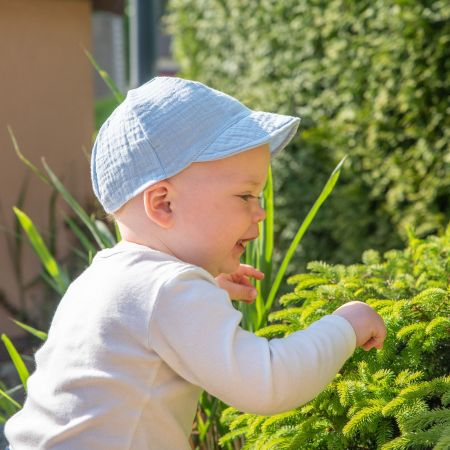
(242, 292)
(250, 271)
(248, 295)
(376, 341)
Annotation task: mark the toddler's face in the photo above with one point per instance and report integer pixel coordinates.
(216, 209)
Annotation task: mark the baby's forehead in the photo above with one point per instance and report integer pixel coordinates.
(247, 171)
(227, 181)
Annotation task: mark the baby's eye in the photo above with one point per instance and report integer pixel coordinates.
(248, 197)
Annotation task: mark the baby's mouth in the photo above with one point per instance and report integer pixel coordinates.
(241, 243)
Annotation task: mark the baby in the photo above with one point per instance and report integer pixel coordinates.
(150, 324)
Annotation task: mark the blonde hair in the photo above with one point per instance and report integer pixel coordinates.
(112, 217)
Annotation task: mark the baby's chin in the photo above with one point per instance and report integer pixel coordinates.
(228, 267)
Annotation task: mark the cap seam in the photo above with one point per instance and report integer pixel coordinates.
(99, 189)
(149, 141)
(269, 136)
(222, 130)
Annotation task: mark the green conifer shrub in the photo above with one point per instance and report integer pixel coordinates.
(392, 399)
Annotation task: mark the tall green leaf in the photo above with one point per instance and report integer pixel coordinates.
(26, 161)
(10, 399)
(267, 231)
(99, 237)
(39, 334)
(47, 260)
(17, 360)
(106, 78)
(87, 244)
(265, 250)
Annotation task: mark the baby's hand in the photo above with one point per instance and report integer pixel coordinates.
(369, 327)
(238, 285)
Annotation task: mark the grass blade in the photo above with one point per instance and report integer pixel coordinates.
(267, 228)
(106, 78)
(265, 247)
(17, 360)
(50, 281)
(10, 399)
(117, 232)
(39, 334)
(326, 191)
(52, 221)
(259, 254)
(104, 232)
(15, 243)
(210, 420)
(76, 207)
(47, 260)
(85, 242)
(27, 162)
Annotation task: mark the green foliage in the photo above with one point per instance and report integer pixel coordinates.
(58, 278)
(395, 398)
(39, 334)
(369, 79)
(103, 109)
(17, 360)
(8, 406)
(117, 94)
(326, 191)
(259, 253)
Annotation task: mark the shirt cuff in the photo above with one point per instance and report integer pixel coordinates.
(345, 329)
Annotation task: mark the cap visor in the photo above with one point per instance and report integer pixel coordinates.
(253, 130)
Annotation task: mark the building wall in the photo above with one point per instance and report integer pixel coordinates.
(46, 96)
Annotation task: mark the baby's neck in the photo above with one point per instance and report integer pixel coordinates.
(153, 242)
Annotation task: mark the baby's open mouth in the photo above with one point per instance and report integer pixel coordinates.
(241, 243)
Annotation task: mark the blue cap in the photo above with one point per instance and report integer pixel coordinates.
(167, 124)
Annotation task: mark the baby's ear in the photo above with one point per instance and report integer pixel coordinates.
(157, 204)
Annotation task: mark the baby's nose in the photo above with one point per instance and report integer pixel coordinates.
(260, 214)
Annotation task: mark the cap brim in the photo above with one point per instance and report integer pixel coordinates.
(255, 129)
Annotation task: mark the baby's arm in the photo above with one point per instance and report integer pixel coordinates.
(195, 330)
(368, 326)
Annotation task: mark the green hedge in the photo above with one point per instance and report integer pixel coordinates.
(392, 399)
(369, 78)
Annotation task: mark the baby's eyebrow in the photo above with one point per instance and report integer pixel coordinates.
(252, 182)
(249, 183)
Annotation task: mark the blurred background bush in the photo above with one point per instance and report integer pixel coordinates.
(368, 78)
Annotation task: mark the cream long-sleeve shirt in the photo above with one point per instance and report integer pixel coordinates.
(136, 338)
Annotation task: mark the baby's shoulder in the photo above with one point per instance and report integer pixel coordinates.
(124, 283)
(134, 265)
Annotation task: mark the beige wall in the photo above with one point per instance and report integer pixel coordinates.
(46, 97)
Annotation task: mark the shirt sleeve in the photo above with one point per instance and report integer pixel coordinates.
(195, 330)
